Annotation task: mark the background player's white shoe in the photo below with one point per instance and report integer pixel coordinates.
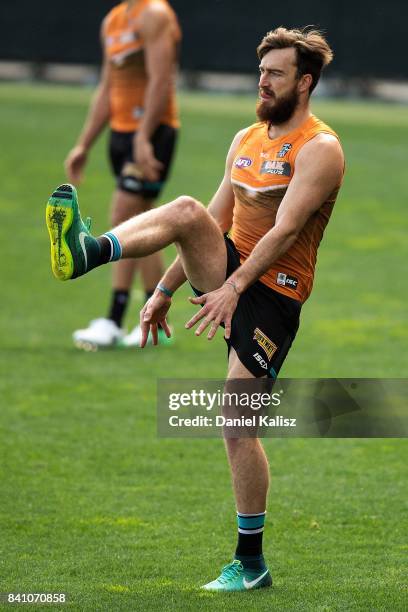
(101, 333)
(133, 338)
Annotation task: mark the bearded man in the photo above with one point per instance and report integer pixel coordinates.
(281, 180)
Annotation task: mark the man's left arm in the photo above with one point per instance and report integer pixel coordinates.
(318, 171)
(160, 52)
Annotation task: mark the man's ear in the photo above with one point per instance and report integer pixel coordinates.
(305, 82)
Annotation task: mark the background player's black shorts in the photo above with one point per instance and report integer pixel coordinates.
(123, 164)
(264, 324)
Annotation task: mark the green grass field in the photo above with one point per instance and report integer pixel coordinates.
(92, 502)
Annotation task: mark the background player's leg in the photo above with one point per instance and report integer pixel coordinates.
(124, 206)
(196, 234)
(151, 270)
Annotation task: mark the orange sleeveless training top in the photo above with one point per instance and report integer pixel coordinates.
(124, 50)
(261, 173)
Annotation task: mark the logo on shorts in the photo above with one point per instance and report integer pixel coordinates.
(131, 183)
(261, 361)
(276, 167)
(265, 343)
(284, 280)
(286, 147)
(243, 162)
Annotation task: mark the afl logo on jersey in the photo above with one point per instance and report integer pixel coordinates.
(243, 162)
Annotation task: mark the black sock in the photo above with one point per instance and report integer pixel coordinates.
(250, 534)
(105, 246)
(109, 248)
(119, 304)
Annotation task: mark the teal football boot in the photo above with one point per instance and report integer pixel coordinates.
(235, 578)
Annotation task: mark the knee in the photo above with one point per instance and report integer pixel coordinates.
(189, 209)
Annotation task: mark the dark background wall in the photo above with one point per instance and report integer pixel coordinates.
(368, 37)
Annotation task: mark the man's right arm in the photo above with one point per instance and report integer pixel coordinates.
(98, 117)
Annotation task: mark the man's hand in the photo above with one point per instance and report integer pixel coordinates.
(218, 307)
(153, 313)
(143, 154)
(74, 164)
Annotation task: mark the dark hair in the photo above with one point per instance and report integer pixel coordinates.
(312, 50)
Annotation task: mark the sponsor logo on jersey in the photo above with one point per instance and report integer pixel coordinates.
(276, 167)
(123, 38)
(265, 343)
(286, 147)
(284, 280)
(127, 37)
(243, 162)
(138, 112)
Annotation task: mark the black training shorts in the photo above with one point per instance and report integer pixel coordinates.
(125, 169)
(264, 324)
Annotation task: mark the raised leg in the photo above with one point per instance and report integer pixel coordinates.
(186, 223)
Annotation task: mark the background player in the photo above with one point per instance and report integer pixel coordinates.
(281, 181)
(136, 96)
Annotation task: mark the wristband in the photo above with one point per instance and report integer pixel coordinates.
(164, 290)
(230, 282)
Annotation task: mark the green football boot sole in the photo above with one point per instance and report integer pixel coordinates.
(59, 216)
(68, 234)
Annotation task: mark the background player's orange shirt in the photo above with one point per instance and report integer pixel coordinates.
(124, 50)
(261, 172)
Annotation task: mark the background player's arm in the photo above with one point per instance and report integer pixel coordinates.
(160, 50)
(98, 116)
(318, 171)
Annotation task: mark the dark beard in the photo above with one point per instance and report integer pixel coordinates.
(281, 111)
